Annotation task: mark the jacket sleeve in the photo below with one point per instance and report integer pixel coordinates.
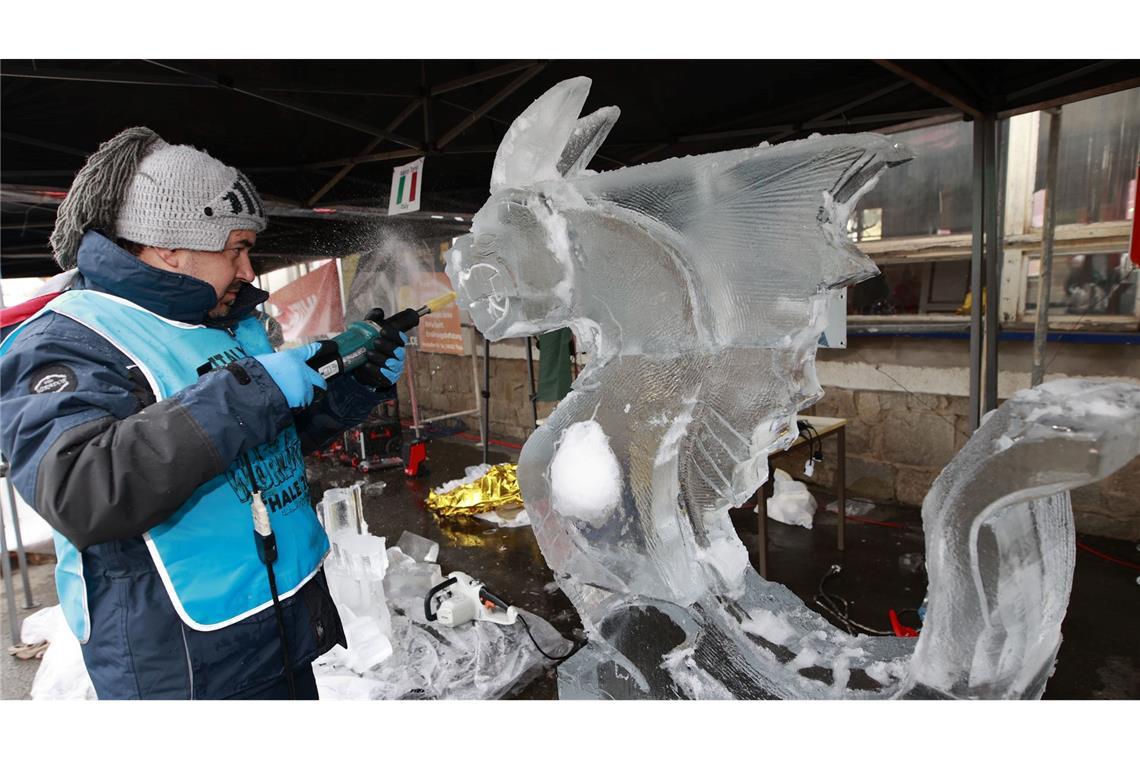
(95, 456)
(346, 405)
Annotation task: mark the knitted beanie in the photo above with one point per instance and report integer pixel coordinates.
(140, 188)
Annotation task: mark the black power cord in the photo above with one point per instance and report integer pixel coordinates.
(267, 551)
(838, 606)
(815, 443)
(564, 657)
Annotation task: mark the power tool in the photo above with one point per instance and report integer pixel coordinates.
(349, 350)
(461, 599)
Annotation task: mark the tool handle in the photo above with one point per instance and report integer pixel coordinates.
(487, 596)
(327, 361)
(428, 612)
(403, 320)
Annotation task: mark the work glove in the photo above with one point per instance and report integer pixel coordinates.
(296, 379)
(385, 356)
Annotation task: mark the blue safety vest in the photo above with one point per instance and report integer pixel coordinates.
(205, 552)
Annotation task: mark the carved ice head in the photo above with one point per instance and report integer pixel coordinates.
(739, 247)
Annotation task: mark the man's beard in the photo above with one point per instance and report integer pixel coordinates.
(223, 308)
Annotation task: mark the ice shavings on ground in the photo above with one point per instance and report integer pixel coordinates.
(791, 503)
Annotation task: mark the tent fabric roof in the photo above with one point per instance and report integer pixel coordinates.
(320, 138)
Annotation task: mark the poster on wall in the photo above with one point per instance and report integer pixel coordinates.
(440, 331)
(310, 305)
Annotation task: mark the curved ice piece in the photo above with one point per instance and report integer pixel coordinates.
(701, 285)
(1000, 543)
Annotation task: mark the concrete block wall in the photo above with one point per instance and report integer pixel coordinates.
(444, 384)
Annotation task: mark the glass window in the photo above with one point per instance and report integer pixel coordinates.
(928, 287)
(1084, 283)
(929, 195)
(1096, 164)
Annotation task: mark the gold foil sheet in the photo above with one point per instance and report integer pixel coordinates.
(498, 488)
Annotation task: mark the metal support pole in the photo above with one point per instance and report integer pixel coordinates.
(530, 382)
(486, 397)
(841, 488)
(993, 259)
(409, 373)
(9, 586)
(21, 555)
(976, 275)
(478, 391)
(1045, 276)
(762, 524)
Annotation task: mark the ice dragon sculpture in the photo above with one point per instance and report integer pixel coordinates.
(701, 284)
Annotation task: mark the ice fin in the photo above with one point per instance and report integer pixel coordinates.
(531, 149)
(588, 135)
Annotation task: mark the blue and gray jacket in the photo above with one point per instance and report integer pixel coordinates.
(138, 470)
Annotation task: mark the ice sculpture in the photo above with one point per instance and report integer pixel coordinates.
(700, 283)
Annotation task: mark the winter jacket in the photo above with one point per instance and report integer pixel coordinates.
(102, 473)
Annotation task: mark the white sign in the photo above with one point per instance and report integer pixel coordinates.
(407, 187)
(835, 334)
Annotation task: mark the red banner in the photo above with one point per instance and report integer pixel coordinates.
(310, 306)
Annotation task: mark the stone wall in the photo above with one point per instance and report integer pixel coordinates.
(444, 384)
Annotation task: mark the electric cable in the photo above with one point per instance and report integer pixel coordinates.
(267, 552)
(568, 655)
(831, 603)
(1108, 557)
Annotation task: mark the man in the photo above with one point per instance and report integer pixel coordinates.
(144, 407)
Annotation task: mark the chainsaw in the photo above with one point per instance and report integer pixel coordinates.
(460, 599)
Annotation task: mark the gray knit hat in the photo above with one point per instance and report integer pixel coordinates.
(140, 188)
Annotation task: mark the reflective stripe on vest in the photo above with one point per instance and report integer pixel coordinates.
(205, 552)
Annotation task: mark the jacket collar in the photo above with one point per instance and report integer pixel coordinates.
(107, 268)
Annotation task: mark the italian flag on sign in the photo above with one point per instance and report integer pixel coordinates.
(407, 186)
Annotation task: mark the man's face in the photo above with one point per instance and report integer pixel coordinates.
(225, 270)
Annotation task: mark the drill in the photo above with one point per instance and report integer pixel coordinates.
(348, 350)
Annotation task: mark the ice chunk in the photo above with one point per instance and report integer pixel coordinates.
(355, 571)
(408, 584)
(417, 547)
(343, 509)
(791, 503)
(700, 286)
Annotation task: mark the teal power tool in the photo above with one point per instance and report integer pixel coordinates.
(349, 350)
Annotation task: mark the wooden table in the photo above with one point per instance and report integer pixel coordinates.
(824, 426)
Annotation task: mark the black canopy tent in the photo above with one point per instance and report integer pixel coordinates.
(320, 138)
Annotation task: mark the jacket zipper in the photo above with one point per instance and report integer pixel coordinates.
(189, 665)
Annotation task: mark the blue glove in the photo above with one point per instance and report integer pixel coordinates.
(394, 366)
(386, 356)
(295, 378)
